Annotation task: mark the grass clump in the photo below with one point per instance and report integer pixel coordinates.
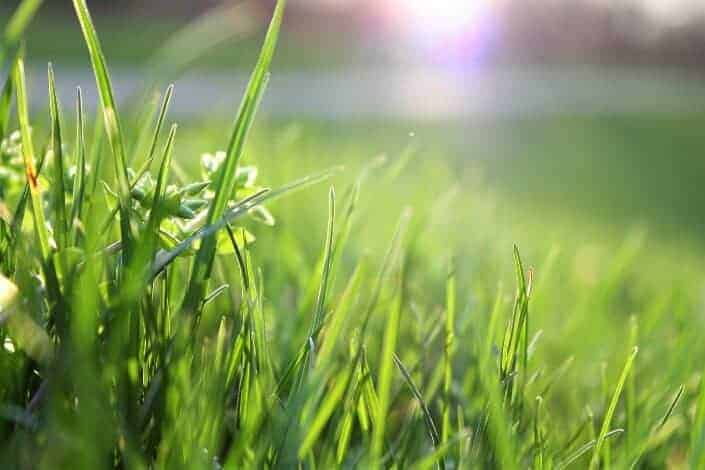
(137, 333)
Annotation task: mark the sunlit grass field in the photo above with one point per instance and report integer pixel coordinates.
(492, 294)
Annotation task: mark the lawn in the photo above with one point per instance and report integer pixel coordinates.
(491, 294)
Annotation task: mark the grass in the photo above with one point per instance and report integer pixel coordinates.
(158, 321)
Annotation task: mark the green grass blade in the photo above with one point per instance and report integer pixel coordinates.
(35, 191)
(110, 118)
(352, 194)
(150, 155)
(367, 414)
(58, 185)
(658, 427)
(344, 433)
(325, 411)
(515, 344)
(95, 158)
(244, 275)
(5, 106)
(158, 128)
(79, 184)
(384, 380)
(671, 407)
(539, 458)
(334, 325)
(697, 440)
(494, 319)
(519, 271)
(630, 388)
(389, 262)
(448, 352)
(328, 250)
(203, 264)
(428, 417)
(584, 449)
(497, 420)
(343, 388)
(434, 459)
(318, 313)
(156, 214)
(607, 420)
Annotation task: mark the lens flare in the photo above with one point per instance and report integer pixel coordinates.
(452, 32)
(441, 18)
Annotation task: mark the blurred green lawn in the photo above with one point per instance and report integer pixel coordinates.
(591, 187)
(606, 206)
(611, 172)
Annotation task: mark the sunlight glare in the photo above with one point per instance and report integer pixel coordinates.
(447, 18)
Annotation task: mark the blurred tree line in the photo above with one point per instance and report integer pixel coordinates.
(582, 31)
(153, 7)
(536, 32)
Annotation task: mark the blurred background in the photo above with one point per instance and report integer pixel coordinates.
(588, 110)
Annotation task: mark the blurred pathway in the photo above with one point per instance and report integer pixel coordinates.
(424, 94)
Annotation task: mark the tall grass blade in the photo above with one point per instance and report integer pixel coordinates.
(158, 128)
(35, 191)
(584, 449)
(658, 427)
(157, 212)
(671, 407)
(697, 440)
(5, 106)
(384, 380)
(244, 275)
(328, 250)
(225, 185)
(335, 325)
(352, 194)
(326, 409)
(607, 420)
(448, 352)
(58, 185)
(428, 417)
(539, 448)
(318, 313)
(79, 183)
(95, 158)
(110, 118)
(144, 168)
